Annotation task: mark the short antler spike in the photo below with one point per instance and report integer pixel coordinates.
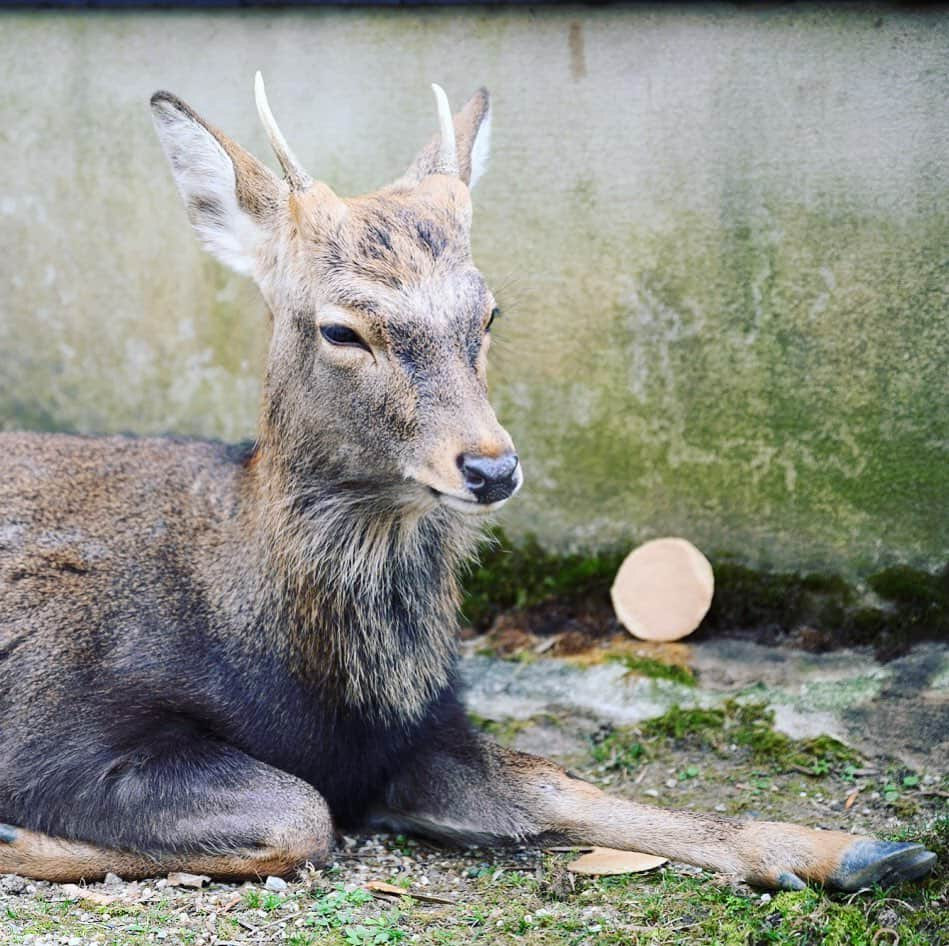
(448, 151)
(296, 176)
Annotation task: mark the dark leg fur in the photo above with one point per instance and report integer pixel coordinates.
(470, 790)
(234, 818)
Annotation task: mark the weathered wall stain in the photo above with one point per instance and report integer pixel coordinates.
(578, 59)
(724, 285)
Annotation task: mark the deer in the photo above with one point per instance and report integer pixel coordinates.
(213, 657)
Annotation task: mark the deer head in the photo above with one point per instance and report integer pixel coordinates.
(381, 322)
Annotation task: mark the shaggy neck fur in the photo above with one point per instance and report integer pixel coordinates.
(365, 586)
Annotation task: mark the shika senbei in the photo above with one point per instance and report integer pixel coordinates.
(211, 655)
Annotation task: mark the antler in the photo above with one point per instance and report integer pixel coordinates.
(448, 150)
(293, 171)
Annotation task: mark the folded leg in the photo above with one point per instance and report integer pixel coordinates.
(207, 809)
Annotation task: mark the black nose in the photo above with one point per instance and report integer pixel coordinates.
(491, 479)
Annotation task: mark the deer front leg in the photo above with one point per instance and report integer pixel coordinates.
(190, 805)
(470, 790)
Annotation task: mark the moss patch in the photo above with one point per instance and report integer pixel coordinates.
(523, 575)
(823, 611)
(747, 725)
(656, 669)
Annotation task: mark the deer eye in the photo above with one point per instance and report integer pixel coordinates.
(495, 313)
(337, 334)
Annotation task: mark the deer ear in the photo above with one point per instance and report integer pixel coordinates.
(230, 196)
(473, 141)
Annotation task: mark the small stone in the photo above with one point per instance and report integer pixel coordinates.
(889, 918)
(721, 808)
(651, 792)
(12, 884)
(112, 880)
(276, 884)
(670, 783)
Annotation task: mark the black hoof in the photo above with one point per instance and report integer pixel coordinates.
(881, 862)
(8, 834)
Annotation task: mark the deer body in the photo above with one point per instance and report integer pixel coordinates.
(186, 635)
(210, 655)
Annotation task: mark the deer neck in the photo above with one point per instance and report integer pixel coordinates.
(365, 587)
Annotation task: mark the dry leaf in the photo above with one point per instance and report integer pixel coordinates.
(851, 798)
(604, 860)
(391, 890)
(380, 886)
(75, 892)
(181, 879)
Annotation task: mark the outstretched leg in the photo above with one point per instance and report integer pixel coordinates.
(467, 789)
(203, 809)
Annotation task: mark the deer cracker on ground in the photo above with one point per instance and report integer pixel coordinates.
(213, 655)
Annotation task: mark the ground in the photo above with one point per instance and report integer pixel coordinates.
(765, 713)
(724, 755)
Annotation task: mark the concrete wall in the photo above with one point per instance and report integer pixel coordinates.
(720, 237)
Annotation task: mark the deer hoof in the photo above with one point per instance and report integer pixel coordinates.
(8, 834)
(881, 862)
(789, 881)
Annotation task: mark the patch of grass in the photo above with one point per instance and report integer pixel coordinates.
(503, 731)
(336, 910)
(375, 931)
(272, 901)
(655, 669)
(252, 898)
(699, 725)
(616, 751)
(749, 725)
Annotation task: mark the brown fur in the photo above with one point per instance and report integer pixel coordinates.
(210, 654)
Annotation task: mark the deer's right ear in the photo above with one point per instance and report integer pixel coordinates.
(230, 196)
(467, 154)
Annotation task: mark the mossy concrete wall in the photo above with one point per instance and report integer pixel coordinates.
(719, 235)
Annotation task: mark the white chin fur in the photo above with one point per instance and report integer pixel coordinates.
(469, 506)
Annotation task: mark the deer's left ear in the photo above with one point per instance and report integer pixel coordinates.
(472, 128)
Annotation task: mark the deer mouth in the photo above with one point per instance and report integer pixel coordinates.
(474, 506)
(470, 507)
(475, 498)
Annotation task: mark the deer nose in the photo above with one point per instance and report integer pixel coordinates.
(490, 479)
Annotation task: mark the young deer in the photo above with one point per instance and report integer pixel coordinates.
(211, 655)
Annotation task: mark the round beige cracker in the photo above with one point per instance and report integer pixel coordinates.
(663, 589)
